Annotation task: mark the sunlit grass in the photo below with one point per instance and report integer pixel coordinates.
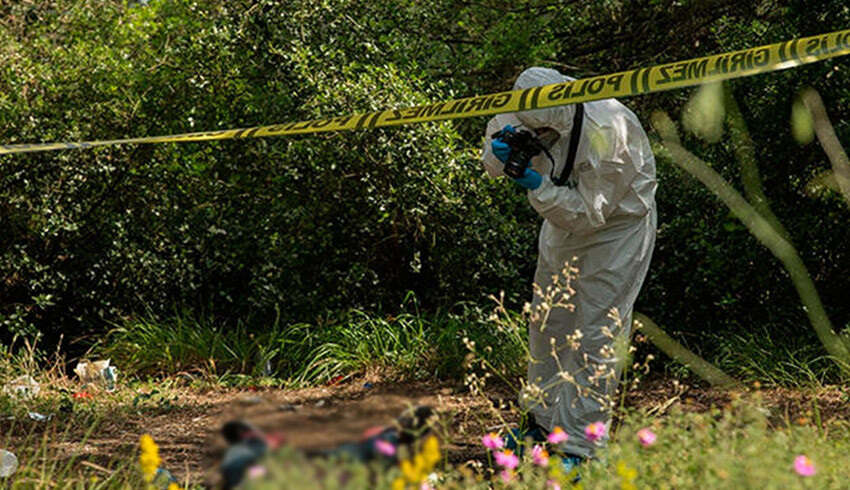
(406, 345)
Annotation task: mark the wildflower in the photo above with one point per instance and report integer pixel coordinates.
(256, 472)
(173, 486)
(557, 436)
(398, 484)
(430, 482)
(646, 437)
(431, 452)
(82, 395)
(539, 455)
(595, 431)
(553, 485)
(804, 466)
(410, 471)
(507, 459)
(149, 458)
(493, 441)
(385, 447)
(417, 470)
(627, 476)
(507, 476)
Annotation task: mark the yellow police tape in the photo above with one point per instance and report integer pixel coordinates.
(624, 84)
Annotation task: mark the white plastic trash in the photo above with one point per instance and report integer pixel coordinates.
(91, 371)
(97, 372)
(8, 463)
(40, 417)
(22, 387)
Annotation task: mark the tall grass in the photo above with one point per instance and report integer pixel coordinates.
(756, 355)
(409, 345)
(187, 341)
(57, 459)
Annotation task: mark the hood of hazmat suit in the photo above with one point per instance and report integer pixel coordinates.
(594, 250)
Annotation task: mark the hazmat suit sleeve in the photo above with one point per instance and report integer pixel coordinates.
(491, 163)
(602, 179)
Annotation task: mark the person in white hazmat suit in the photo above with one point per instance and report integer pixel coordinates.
(601, 219)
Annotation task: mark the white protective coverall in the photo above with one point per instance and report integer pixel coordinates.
(602, 222)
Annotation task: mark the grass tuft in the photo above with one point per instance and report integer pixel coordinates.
(406, 345)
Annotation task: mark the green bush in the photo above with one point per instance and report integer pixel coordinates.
(304, 225)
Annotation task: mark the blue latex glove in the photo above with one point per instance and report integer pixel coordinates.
(530, 179)
(501, 149)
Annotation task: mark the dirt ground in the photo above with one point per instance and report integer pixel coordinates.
(324, 417)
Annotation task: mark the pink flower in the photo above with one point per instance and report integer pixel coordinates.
(493, 441)
(385, 447)
(594, 431)
(540, 456)
(507, 459)
(553, 485)
(507, 476)
(646, 437)
(804, 466)
(557, 436)
(256, 472)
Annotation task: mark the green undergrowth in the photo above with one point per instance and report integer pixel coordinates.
(410, 345)
(758, 355)
(55, 458)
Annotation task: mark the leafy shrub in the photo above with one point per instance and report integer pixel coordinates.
(303, 225)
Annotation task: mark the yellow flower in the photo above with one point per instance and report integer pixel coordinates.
(431, 452)
(628, 476)
(409, 472)
(149, 458)
(398, 484)
(173, 486)
(417, 470)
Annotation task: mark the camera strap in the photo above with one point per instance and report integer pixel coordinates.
(575, 135)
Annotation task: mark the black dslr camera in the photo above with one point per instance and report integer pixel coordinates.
(524, 145)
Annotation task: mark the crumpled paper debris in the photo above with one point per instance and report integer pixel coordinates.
(22, 387)
(8, 463)
(97, 372)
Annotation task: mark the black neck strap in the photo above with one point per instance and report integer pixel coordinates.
(575, 136)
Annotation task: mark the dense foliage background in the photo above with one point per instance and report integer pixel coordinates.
(307, 227)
